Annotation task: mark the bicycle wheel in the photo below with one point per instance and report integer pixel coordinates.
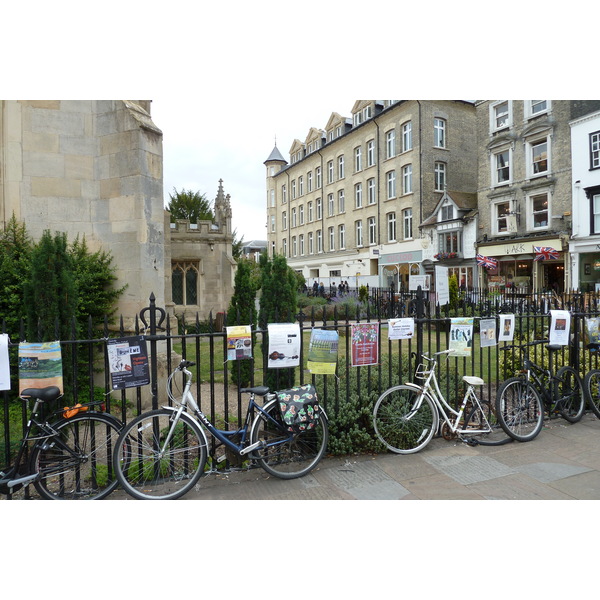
(479, 418)
(76, 464)
(569, 394)
(398, 426)
(519, 409)
(287, 455)
(591, 385)
(149, 471)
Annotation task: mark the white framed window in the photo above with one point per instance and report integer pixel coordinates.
(311, 247)
(272, 223)
(285, 248)
(330, 172)
(358, 232)
(370, 153)
(319, 181)
(301, 214)
(319, 209)
(284, 194)
(450, 241)
(447, 211)
(595, 228)
(330, 205)
(341, 202)
(284, 221)
(595, 150)
(293, 189)
(372, 225)
(319, 241)
(439, 133)
(501, 167)
(272, 198)
(341, 167)
(538, 157)
(500, 115)
(391, 227)
(358, 202)
(331, 239)
(342, 236)
(309, 209)
(294, 219)
(501, 216)
(407, 219)
(390, 144)
(440, 176)
(407, 179)
(309, 181)
(534, 108)
(301, 244)
(390, 178)
(538, 211)
(407, 136)
(301, 185)
(371, 197)
(294, 247)
(357, 159)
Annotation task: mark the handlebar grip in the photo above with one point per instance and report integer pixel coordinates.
(184, 364)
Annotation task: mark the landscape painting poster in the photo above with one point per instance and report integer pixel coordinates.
(284, 345)
(461, 336)
(128, 362)
(323, 351)
(487, 333)
(365, 344)
(40, 365)
(239, 342)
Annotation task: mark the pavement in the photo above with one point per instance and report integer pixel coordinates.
(561, 463)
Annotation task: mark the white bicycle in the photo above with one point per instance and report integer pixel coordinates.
(407, 416)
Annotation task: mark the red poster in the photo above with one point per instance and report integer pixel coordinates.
(365, 344)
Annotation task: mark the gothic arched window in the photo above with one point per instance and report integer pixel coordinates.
(184, 283)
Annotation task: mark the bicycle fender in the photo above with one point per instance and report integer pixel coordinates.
(413, 386)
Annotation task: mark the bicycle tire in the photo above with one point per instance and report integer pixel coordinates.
(591, 386)
(288, 455)
(475, 420)
(519, 409)
(395, 424)
(144, 474)
(568, 391)
(77, 465)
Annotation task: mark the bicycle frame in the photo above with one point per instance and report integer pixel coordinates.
(536, 375)
(431, 389)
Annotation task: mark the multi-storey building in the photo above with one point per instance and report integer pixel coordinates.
(525, 192)
(584, 245)
(350, 203)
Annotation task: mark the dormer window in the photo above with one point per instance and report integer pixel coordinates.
(447, 211)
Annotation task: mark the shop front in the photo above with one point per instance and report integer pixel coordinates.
(522, 268)
(585, 256)
(396, 268)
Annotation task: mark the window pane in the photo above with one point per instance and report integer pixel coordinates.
(191, 286)
(177, 286)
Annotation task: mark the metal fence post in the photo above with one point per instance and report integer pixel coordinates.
(153, 326)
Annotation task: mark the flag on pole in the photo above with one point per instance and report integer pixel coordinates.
(486, 261)
(545, 253)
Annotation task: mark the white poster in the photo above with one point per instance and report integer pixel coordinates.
(4, 363)
(507, 328)
(284, 345)
(414, 281)
(487, 332)
(441, 285)
(401, 329)
(461, 336)
(560, 325)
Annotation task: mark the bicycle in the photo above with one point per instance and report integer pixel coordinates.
(167, 451)
(407, 416)
(522, 400)
(71, 457)
(591, 384)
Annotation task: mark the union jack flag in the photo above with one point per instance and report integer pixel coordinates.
(545, 253)
(486, 261)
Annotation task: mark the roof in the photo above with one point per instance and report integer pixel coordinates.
(276, 155)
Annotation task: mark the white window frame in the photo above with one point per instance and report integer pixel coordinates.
(331, 239)
(294, 247)
(370, 153)
(390, 143)
(319, 241)
(272, 223)
(358, 233)
(506, 115)
(301, 214)
(319, 209)
(371, 196)
(495, 220)
(531, 163)
(342, 236)
(330, 205)
(537, 213)
(309, 181)
(294, 222)
(407, 179)
(311, 246)
(357, 159)
(358, 199)
(496, 168)
(301, 244)
(284, 247)
(284, 194)
(531, 105)
(284, 220)
(595, 150)
(407, 136)
(372, 229)
(341, 201)
(309, 210)
(340, 162)
(319, 181)
(301, 186)
(439, 132)
(293, 189)
(407, 223)
(330, 172)
(440, 176)
(391, 227)
(390, 184)
(446, 211)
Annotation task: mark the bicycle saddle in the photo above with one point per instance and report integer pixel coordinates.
(553, 347)
(261, 390)
(46, 394)
(471, 380)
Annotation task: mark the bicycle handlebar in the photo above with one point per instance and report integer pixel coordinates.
(521, 346)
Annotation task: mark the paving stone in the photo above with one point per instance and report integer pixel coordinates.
(469, 469)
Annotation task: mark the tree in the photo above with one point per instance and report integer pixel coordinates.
(189, 205)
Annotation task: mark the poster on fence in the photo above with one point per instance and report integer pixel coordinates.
(592, 330)
(128, 362)
(4, 363)
(461, 336)
(560, 325)
(40, 365)
(365, 344)
(284, 345)
(442, 287)
(322, 352)
(507, 328)
(487, 333)
(401, 329)
(239, 342)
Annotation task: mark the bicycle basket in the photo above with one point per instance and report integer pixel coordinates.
(422, 372)
(299, 407)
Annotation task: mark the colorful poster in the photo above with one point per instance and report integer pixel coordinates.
(128, 362)
(461, 336)
(322, 352)
(4, 363)
(364, 344)
(487, 333)
(401, 329)
(284, 345)
(441, 285)
(560, 325)
(239, 342)
(507, 328)
(592, 330)
(40, 365)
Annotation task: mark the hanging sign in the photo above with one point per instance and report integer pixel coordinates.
(128, 362)
(239, 342)
(322, 351)
(40, 365)
(461, 336)
(401, 329)
(4, 363)
(284, 345)
(365, 344)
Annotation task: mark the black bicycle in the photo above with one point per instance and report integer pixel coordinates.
(71, 454)
(591, 384)
(522, 400)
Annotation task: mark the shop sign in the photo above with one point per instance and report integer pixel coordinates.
(517, 248)
(401, 257)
